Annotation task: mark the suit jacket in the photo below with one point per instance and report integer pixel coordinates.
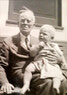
(13, 59)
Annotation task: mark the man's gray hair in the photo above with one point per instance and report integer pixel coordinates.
(25, 10)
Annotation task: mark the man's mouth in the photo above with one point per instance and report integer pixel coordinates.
(25, 29)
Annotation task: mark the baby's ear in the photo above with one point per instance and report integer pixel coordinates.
(52, 38)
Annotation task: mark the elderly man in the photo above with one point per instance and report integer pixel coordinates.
(14, 57)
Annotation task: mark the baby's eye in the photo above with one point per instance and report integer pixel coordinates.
(44, 33)
(28, 21)
(40, 33)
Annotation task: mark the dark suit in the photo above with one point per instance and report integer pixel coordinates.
(13, 60)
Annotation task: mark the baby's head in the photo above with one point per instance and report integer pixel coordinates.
(46, 33)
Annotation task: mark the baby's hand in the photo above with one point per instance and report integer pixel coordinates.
(41, 44)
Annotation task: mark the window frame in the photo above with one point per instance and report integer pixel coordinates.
(42, 20)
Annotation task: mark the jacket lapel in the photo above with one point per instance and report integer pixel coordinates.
(17, 46)
(17, 49)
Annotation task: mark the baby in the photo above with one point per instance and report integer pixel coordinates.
(47, 61)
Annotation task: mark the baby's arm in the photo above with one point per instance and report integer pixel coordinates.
(34, 50)
(63, 61)
(64, 66)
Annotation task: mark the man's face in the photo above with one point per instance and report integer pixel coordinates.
(25, 23)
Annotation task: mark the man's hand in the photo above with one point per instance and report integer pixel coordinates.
(7, 88)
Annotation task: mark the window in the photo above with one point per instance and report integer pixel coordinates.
(46, 11)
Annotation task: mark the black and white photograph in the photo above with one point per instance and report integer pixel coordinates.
(33, 47)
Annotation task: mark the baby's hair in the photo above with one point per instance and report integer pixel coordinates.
(48, 28)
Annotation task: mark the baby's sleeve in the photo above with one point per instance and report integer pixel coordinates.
(57, 48)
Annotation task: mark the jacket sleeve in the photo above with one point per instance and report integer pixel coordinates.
(4, 59)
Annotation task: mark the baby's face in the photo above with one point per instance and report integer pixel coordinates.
(44, 36)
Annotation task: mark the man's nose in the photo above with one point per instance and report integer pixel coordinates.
(25, 22)
(41, 35)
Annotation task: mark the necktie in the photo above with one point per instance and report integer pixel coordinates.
(27, 43)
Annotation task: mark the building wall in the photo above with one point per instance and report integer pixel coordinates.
(9, 30)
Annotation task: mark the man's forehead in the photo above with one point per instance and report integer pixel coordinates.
(27, 14)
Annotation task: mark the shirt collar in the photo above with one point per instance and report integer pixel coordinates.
(22, 37)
